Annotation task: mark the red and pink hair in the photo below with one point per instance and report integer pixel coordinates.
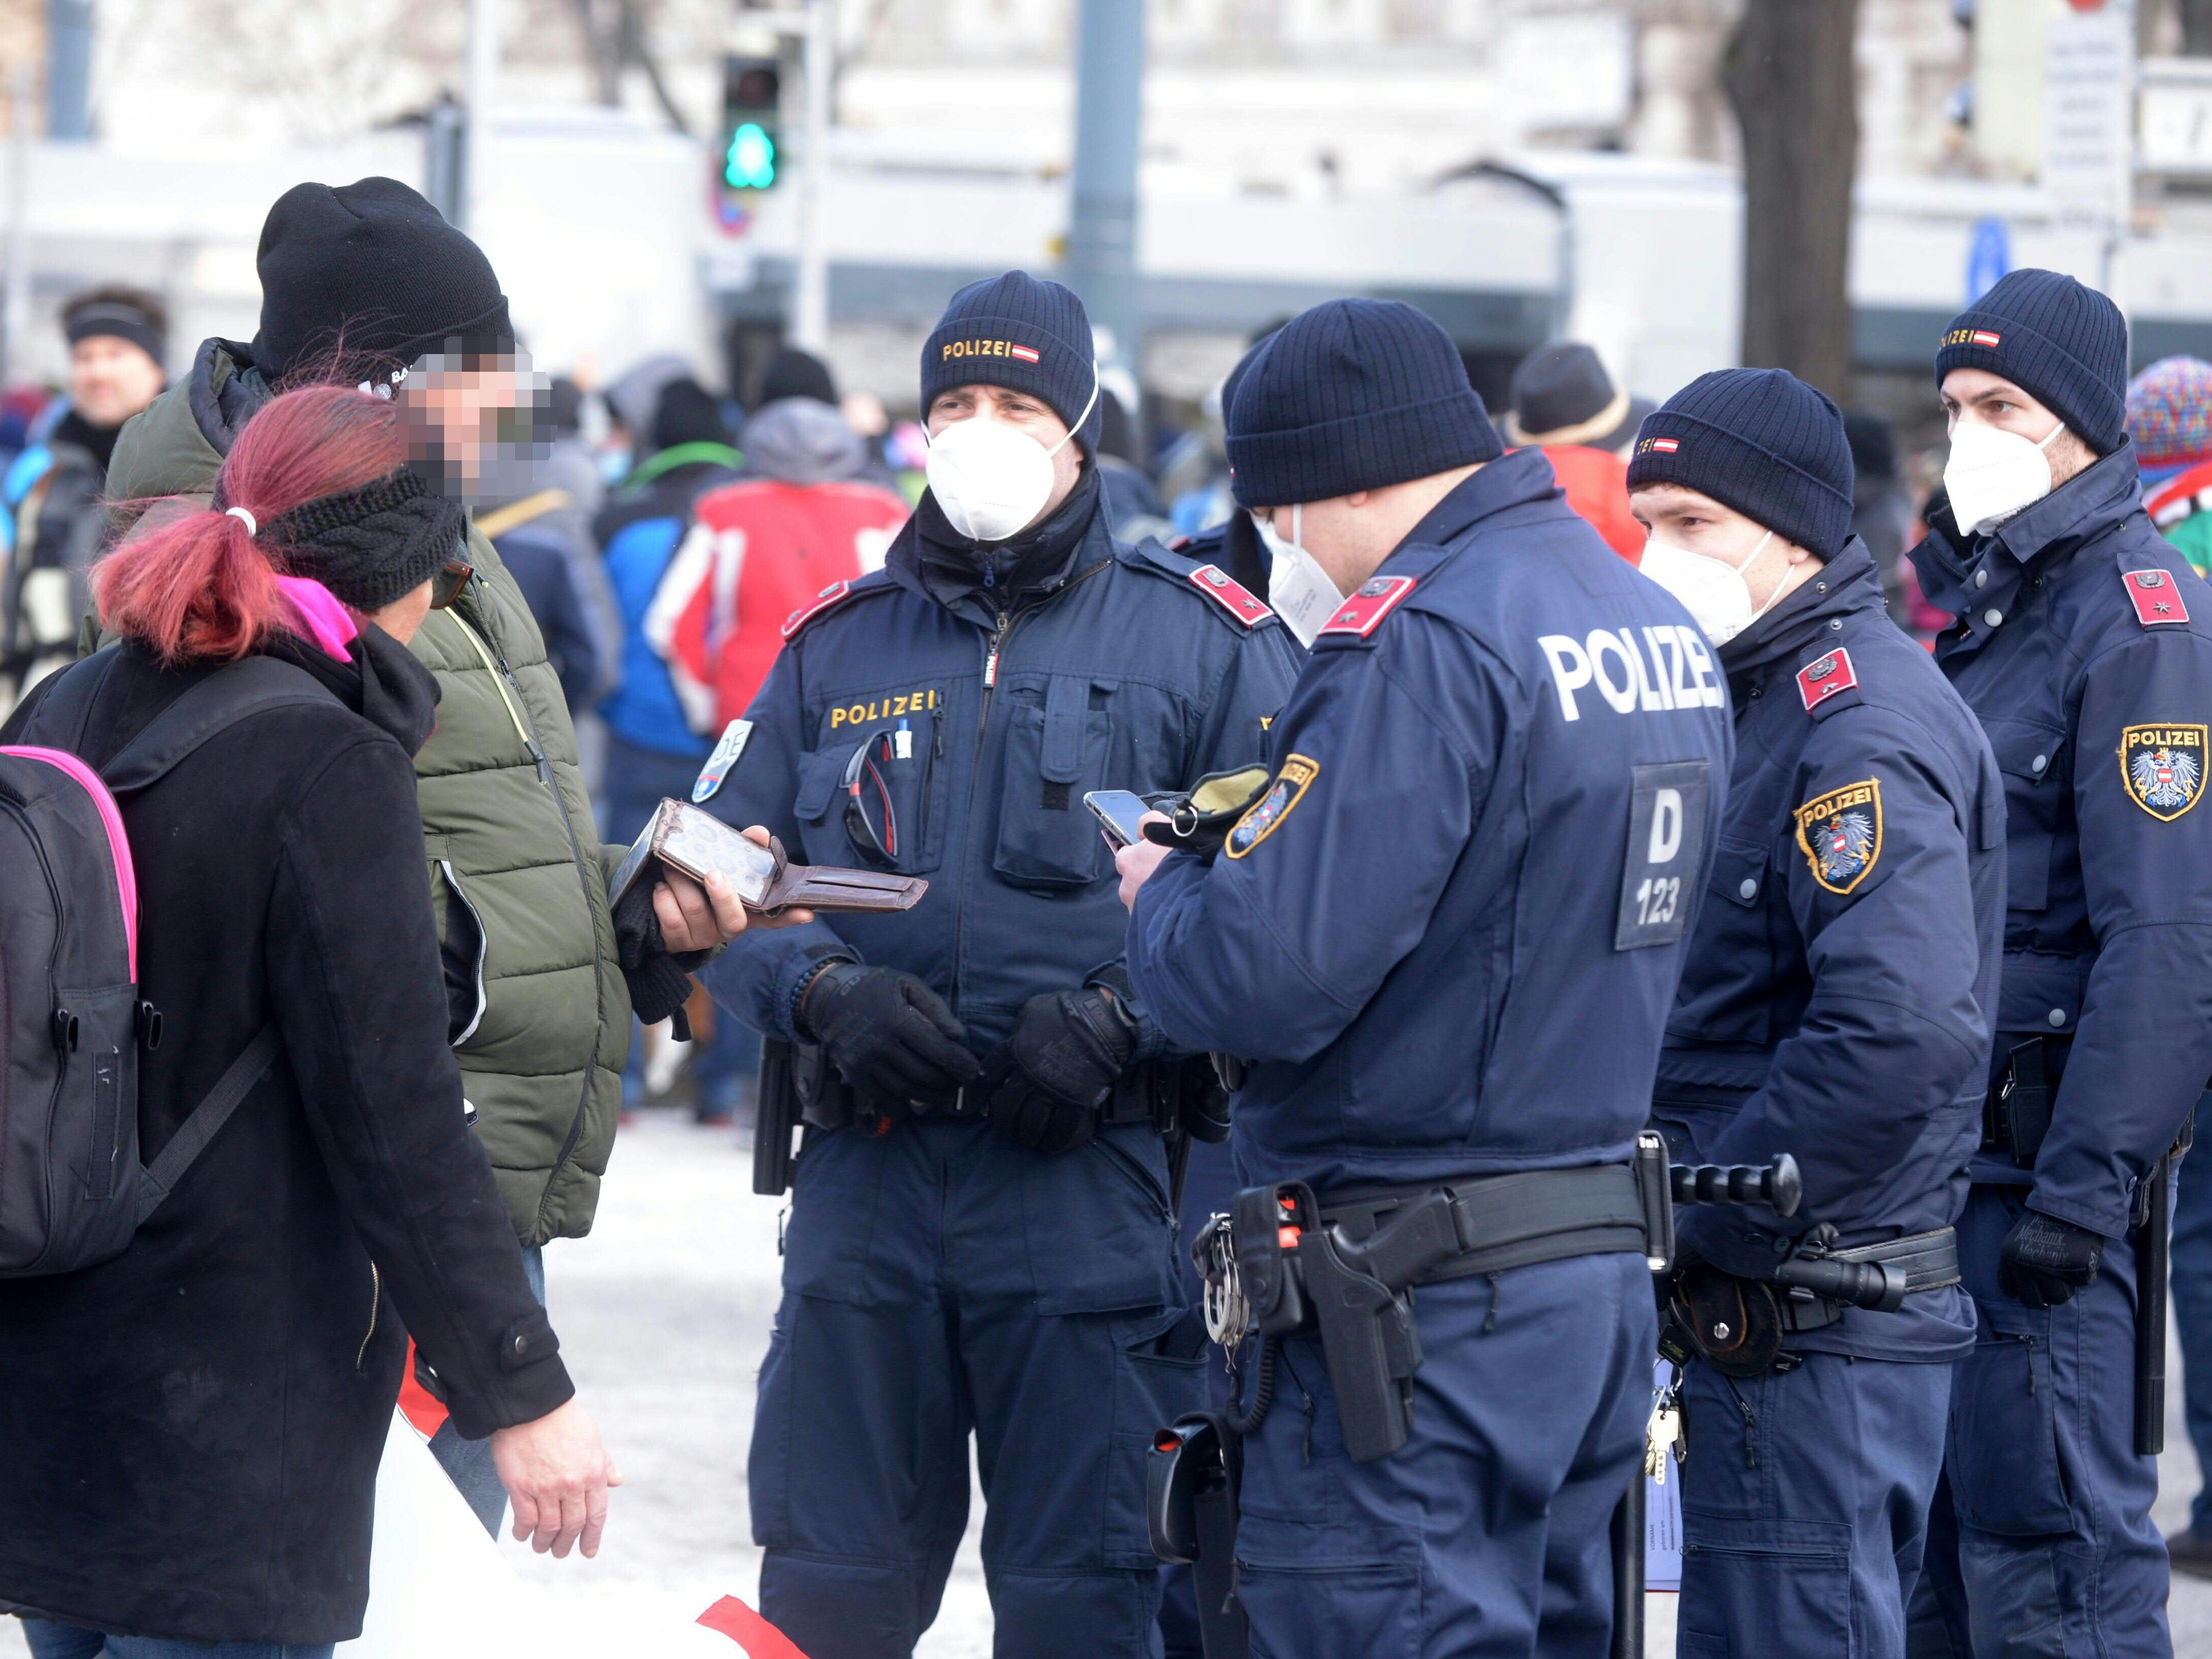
(192, 584)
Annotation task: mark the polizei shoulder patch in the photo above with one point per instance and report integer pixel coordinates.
(2162, 767)
(2155, 596)
(1840, 834)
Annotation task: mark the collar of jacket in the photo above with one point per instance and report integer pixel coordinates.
(937, 562)
(1971, 576)
(226, 391)
(1788, 636)
(1512, 480)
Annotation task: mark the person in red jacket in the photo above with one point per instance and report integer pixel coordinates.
(802, 521)
(1565, 405)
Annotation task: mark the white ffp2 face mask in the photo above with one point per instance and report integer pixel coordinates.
(1992, 474)
(993, 479)
(1298, 589)
(1712, 591)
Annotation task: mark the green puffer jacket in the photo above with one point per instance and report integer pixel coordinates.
(517, 871)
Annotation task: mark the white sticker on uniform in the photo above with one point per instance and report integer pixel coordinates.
(1667, 806)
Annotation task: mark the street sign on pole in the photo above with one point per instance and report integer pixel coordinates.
(2088, 119)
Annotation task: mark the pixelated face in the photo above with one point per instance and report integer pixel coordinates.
(110, 379)
(477, 426)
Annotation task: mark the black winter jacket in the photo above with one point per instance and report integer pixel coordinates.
(191, 1431)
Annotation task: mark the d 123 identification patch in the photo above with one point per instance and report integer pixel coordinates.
(2162, 767)
(1261, 817)
(1840, 834)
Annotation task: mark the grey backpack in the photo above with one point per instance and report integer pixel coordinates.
(72, 1024)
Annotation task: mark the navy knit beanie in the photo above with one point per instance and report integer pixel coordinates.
(1760, 440)
(1023, 333)
(1354, 394)
(2064, 344)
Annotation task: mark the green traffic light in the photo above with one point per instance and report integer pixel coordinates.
(750, 163)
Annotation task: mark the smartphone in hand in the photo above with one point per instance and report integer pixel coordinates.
(1121, 813)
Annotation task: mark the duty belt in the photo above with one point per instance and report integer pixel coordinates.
(1507, 1221)
(1929, 1262)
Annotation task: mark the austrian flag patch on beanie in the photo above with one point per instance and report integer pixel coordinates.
(2064, 344)
(1760, 440)
(1352, 395)
(1026, 334)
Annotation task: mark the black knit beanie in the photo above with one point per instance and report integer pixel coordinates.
(372, 271)
(1025, 334)
(687, 413)
(369, 545)
(795, 374)
(1760, 440)
(1354, 394)
(2064, 344)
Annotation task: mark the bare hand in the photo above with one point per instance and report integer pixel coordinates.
(1138, 860)
(696, 918)
(557, 1474)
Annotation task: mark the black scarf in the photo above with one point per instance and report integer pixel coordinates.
(97, 441)
(1009, 573)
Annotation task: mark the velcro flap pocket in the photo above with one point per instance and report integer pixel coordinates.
(819, 774)
(1066, 706)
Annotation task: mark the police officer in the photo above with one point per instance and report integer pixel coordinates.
(2084, 643)
(1446, 938)
(983, 1232)
(1836, 1006)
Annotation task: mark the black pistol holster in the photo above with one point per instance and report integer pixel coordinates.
(1345, 1269)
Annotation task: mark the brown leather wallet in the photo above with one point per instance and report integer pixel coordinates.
(698, 843)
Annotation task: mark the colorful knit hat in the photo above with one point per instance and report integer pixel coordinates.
(2170, 414)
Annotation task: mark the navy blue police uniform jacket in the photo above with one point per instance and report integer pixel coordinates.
(1128, 668)
(2084, 644)
(1448, 936)
(1843, 978)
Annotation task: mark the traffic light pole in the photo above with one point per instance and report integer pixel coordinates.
(810, 310)
(1102, 236)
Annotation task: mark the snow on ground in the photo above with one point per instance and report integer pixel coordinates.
(664, 1316)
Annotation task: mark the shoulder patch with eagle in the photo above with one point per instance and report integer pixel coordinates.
(1840, 834)
(2162, 767)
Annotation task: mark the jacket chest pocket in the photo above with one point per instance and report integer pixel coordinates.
(1734, 931)
(1056, 750)
(2035, 768)
(872, 797)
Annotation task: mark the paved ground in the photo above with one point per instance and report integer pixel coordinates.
(663, 1315)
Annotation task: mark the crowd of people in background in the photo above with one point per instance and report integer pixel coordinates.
(659, 531)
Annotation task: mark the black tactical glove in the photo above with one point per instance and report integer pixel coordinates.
(2046, 1259)
(1044, 1090)
(890, 1035)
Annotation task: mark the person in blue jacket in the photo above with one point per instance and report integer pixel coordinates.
(987, 1243)
(1445, 939)
(2084, 643)
(1836, 1006)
